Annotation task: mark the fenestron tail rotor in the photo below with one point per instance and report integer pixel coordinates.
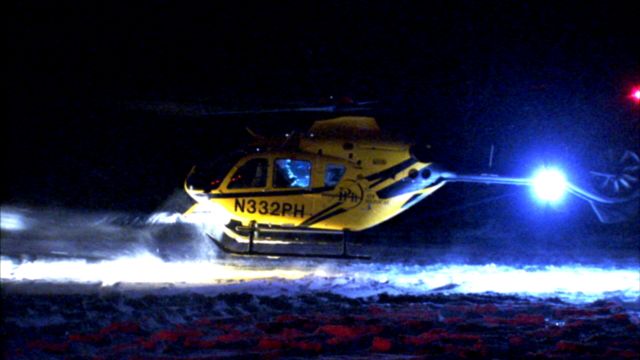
(620, 175)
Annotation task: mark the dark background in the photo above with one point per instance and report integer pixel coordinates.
(543, 81)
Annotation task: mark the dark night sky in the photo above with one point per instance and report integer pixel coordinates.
(292, 50)
(536, 78)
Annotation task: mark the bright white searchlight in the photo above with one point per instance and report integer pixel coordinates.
(549, 185)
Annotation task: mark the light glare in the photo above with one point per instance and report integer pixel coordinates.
(549, 185)
(11, 221)
(149, 270)
(575, 283)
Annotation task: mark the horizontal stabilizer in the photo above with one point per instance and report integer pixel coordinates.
(616, 213)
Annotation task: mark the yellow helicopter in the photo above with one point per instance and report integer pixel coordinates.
(341, 175)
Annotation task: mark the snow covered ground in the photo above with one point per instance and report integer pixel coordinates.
(574, 283)
(162, 251)
(76, 283)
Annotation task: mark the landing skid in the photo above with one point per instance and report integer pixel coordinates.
(255, 231)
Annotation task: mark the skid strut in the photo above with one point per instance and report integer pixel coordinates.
(254, 231)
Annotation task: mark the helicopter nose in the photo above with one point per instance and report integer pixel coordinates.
(203, 178)
(197, 181)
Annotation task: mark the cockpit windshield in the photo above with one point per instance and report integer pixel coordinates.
(208, 176)
(253, 174)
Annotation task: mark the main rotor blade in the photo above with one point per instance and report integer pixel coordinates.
(204, 110)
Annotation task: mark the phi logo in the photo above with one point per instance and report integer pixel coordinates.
(351, 194)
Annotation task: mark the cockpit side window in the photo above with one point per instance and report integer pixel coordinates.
(289, 173)
(253, 174)
(333, 174)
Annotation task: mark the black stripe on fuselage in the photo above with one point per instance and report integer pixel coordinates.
(270, 193)
(406, 185)
(390, 172)
(331, 214)
(312, 219)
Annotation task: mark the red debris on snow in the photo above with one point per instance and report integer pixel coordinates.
(122, 327)
(195, 343)
(87, 338)
(288, 318)
(342, 331)
(270, 344)
(306, 346)
(51, 347)
(450, 327)
(290, 334)
(381, 345)
(515, 340)
(231, 338)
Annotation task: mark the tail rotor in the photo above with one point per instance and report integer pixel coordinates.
(618, 178)
(620, 175)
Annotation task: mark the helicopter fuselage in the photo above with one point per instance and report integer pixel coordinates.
(343, 175)
(332, 184)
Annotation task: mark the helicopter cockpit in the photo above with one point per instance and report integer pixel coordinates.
(277, 172)
(207, 176)
(253, 174)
